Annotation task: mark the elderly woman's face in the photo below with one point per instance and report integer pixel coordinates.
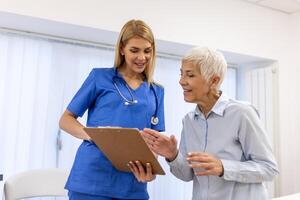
(195, 87)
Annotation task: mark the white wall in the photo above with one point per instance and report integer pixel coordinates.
(229, 25)
(290, 111)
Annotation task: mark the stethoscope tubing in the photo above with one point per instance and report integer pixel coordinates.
(132, 101)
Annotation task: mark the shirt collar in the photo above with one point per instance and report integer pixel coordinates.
(218, 108)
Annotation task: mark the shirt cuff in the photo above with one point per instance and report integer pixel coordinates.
(177, 161)
(231, 171)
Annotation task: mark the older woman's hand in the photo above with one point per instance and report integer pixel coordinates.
(210, 164)
(162, 145)
(139, 171)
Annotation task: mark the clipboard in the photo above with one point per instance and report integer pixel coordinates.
(121, 145)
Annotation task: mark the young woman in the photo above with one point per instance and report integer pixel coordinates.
(124, 96)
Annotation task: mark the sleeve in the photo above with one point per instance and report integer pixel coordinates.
(160, 109)
(259, 164)
(180, 167)
(84, 97)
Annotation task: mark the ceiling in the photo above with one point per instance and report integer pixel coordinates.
(285, 6)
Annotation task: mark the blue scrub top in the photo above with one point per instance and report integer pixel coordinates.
(92, 172)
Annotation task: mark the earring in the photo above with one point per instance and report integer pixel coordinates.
(218, 94)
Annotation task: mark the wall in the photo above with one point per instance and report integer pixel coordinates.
(228, 26)
(289, 111)
(232, 26)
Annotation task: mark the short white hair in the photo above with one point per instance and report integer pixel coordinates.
(209, 61)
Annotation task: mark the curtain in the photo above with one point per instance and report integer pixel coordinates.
(27, 110)
(27, 105)
(259, 90)
(229, 85)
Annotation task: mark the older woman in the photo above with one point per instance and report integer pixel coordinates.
(224, 148)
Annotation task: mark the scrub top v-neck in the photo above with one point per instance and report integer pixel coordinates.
(92, 172)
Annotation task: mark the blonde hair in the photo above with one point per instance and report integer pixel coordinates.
(131, 29)
(209, 61)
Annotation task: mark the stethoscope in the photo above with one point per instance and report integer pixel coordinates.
(132, 101)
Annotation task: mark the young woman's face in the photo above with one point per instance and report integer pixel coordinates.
(137, 52)
(195, 87)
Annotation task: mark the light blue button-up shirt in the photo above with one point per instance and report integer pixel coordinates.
(233, 133)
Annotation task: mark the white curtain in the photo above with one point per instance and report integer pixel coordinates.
(39, 77)
(27, 110)
(259, 90)
(229, 83)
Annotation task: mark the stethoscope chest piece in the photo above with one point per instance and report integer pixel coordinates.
(154, 120)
